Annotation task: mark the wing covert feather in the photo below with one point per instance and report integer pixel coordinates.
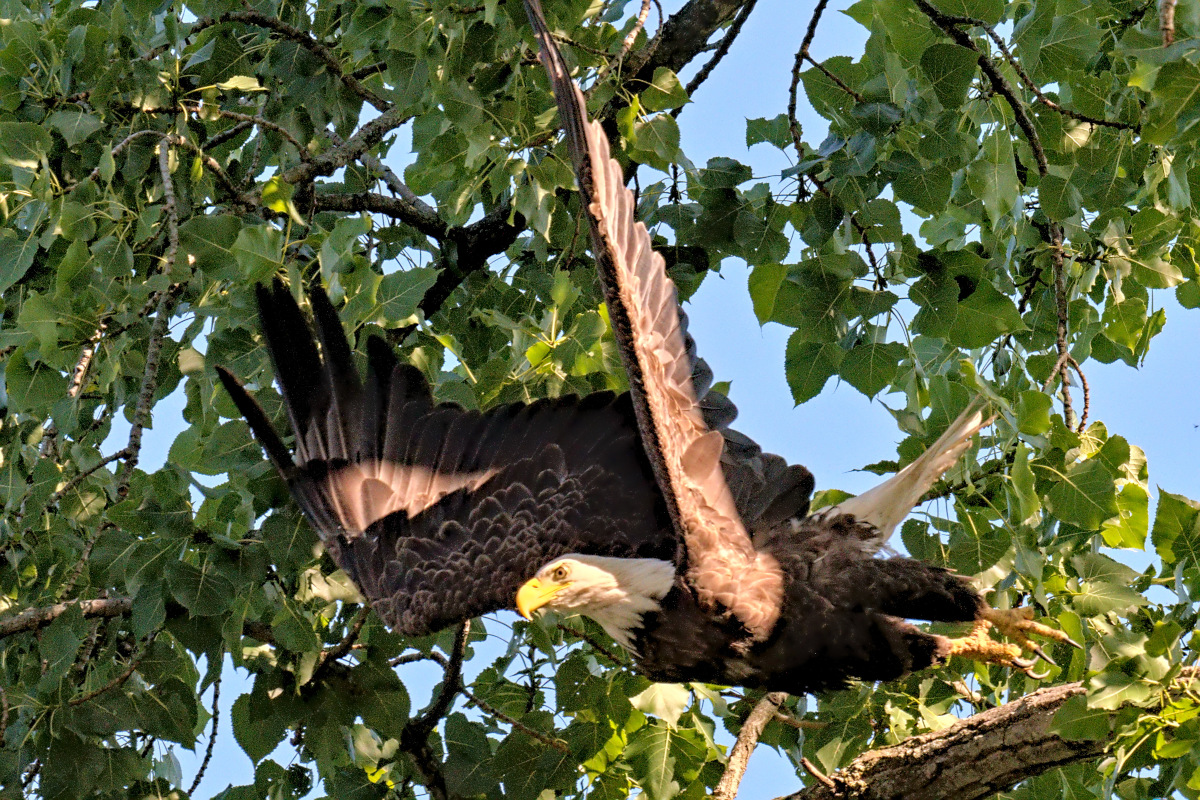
(723, 565)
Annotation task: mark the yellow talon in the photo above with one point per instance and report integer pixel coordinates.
(1016, 624)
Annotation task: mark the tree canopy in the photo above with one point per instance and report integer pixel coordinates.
(1013, 176)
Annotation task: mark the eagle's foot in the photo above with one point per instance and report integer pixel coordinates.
(1017, 624)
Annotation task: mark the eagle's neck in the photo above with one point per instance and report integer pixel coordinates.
(636, 587)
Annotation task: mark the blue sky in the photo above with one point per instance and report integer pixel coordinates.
(1155, 407)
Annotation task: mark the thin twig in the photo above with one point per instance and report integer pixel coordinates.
(1087, 394)
(819, 776)
(134, 663)
(82, 476)
(722, 48)
(212, 736)
(218, 139)
(410, 658)
(343, 647)
(302, 38)
(1000, 84)
(841, 84)
(764, 711)
(596, 645)
(491, 710)
(262, 123)
(801, 55)
(998, 40)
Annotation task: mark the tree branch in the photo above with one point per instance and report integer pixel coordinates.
(722, 49)
(764, 711)
(467, 251)
(421, 217)
(950, 26)
(33, 619)
(363, 140)
(414, 739)
(134, 663)
(973, 759)
(212, 736)
(292, 33)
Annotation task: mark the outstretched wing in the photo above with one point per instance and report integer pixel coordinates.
(439, 514)
(723, 566)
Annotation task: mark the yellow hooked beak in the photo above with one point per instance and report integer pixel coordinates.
(534, 594)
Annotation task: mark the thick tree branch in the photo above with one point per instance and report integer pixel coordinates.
(684, 35)
(421, 217)
(466, 250)
(720, 53)
(32, 619)
(972, 759)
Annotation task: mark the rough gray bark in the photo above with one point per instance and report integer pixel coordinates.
(973, 759)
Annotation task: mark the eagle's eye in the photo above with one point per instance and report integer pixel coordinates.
(560, 572)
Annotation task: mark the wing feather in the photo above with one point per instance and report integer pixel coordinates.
(724, 566)
(440, 513)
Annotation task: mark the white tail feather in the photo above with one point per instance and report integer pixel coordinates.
(886, 505)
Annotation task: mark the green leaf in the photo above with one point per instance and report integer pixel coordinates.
(200, 590)
(877, 118)
(667, 701)
(774, 131)
(32, 387)
(657, 141)
(951, 69)
(990, 11)
(983, 317)
(871, 367)
(255, 728)
(927, 189)
(1085, 496)
(400, 292)
(651, 753)
(809, 365)
(976, 545)
(1176, 532)
(23, 144)
(664, 92)
(241, 83)
(1060, 197)
(16, 257)
(1033, 412)
(1128, 529)
(258, 252)
(1074, 721)
(75, 125)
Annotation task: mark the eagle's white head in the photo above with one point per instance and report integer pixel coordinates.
(615, 592)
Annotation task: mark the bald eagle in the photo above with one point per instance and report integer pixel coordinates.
(691, 547)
